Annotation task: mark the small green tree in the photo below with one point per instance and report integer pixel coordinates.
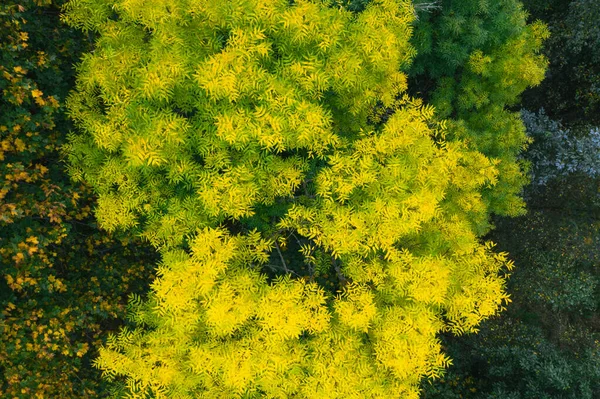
(473, 60)
(311, 247)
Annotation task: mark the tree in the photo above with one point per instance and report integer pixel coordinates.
(63, 283)
(557, 152)
(474, 59)
(546, 344)
(312, 245)
(571, 91)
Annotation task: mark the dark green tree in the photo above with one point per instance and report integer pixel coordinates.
(570, 92)
(546, 345)
(63, 282)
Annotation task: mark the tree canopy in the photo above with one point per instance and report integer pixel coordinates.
(319, 224)
(63, 282)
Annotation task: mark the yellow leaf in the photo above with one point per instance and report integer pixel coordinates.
(20, 145)
(53, 102)
(36, 93)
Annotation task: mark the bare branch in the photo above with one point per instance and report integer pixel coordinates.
(296, 238)
(277, 268)
(338, 271)
(281, 257)
(311, 266)
(426, 7)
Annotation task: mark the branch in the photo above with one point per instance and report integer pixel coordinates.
(276, 268)
(281, 257)
(311, 266)
(338, 271)
(296, 238)
(427, 7)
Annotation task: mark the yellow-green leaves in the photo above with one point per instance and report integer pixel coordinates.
(310, 245)
(384, 187)
(291, 307)
(252, 86)
(405, 341)
(233, 302)
(356, 307)
(183, 279)
(424, 279)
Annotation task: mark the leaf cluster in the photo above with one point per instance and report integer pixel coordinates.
(63, 283)
(243, 140)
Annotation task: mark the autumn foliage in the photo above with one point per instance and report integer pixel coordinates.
(315, 177)
(63, 282)
(312, 245)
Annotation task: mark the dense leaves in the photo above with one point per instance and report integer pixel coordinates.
(63, 283)
(474, 59)
(319, 223)
(312, 244)
(571, 91)
(547, 344)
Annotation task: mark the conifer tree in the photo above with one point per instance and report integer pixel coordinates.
(311, 247)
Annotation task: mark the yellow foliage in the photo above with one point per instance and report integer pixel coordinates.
(265, 131)
(356, 307)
